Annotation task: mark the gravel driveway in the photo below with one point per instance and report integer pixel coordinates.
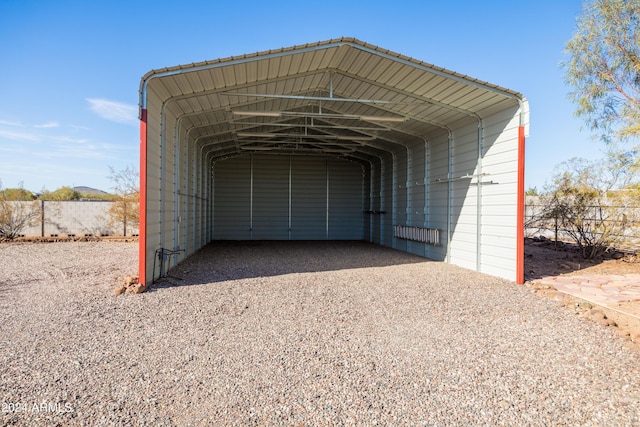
(338, 333)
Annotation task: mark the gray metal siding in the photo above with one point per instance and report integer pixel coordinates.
(232, 183)
(270, 197)
(346, 212)
(438, 193)
(386, 196)
(309, 199)
(375, 204)
(418, 190)
(366, 202)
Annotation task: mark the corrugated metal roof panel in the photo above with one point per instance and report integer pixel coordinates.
(274, 84)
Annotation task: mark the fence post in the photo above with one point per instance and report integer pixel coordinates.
(41, 218)
(125, 218)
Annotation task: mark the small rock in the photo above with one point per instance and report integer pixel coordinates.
(119, 290)
(586, 306)
(130, 280)
(600, 318)
(565, 266)
(138, 288)
(596, 315)
(635, 337)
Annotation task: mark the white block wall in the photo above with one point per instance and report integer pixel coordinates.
(79, 218)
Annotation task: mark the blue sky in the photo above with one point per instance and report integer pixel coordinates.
(70, 70)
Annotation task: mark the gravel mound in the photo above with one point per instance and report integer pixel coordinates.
(303, 333)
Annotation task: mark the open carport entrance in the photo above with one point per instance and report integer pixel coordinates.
(332, 140)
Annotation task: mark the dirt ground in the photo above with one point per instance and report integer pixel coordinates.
(543, 259)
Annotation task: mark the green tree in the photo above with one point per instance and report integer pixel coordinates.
(125, 209)
(62, 193)
(603, 67)
(16, 194)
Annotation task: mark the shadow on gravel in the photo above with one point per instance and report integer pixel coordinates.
(232, 260)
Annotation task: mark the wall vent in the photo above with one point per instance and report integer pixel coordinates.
(430, 236)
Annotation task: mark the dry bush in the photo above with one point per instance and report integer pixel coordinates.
(16, 215)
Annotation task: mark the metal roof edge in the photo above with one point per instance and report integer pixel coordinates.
(350, 41)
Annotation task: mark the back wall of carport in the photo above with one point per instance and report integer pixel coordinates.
(331, 141)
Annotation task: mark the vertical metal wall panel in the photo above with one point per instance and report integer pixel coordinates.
(232, 203)
(417, 213)
(400, 174)
(464, 213)
(437, 202)
(199, 231)
(153, 178)
(180, 191)
(374, 214)
(308, 198)
(189, 220)
(366, 202)
(346, 212)
(499, 206)
(270, 197)
(386, 201)
(168, 175)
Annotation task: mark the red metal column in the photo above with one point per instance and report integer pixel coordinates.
(520, 210)
(142, 239)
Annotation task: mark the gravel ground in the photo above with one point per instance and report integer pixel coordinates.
(296, 334)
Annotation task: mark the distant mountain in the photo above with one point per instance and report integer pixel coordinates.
(90, 191)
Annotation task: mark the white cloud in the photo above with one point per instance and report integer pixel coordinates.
(68, 139)
(8, 123)
(115, 111)
(18, 136)
(47, 125)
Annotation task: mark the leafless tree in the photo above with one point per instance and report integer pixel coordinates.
(16, 215)
(125, 210)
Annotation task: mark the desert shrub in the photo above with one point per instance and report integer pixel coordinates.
(583, 202)
(17, 211)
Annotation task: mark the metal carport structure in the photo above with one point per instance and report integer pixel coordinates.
(332, 140)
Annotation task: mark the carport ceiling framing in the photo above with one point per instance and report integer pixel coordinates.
(340, 97)
(301, 124)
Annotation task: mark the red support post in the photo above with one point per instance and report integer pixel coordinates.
(142, 239)
(520, 210)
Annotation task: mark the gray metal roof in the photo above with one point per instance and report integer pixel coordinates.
(340, 97)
